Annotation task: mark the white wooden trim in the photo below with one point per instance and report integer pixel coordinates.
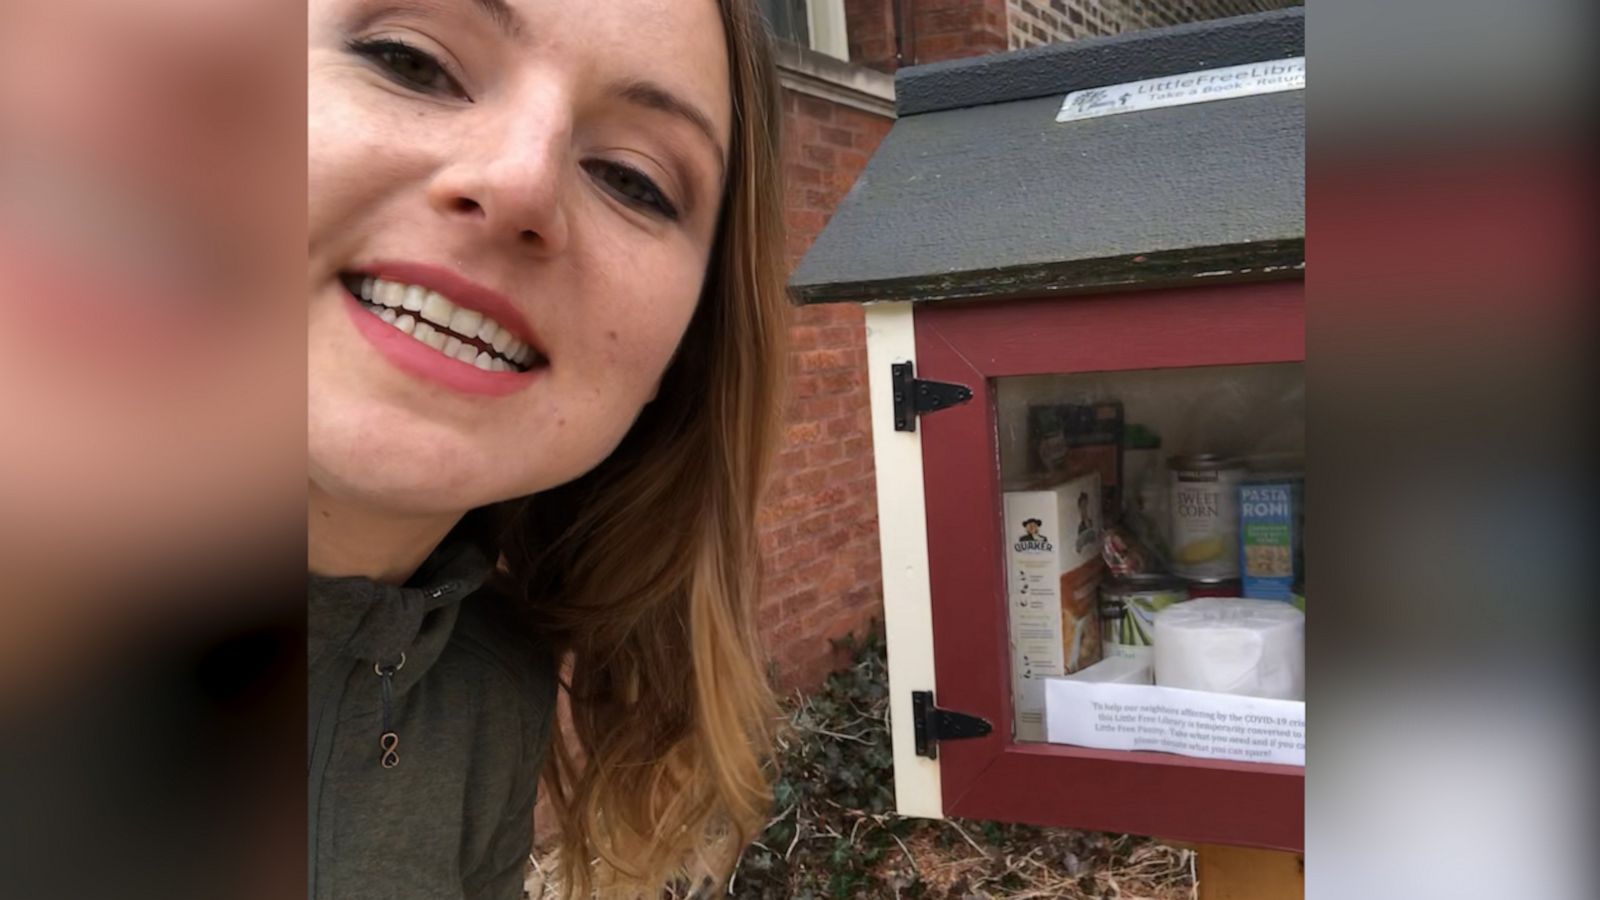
(903, 539)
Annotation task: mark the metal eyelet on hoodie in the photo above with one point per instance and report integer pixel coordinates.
(389, 742)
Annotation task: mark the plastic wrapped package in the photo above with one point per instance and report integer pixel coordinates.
(1231, 645)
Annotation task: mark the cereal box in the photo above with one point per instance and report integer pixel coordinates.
(1054, 569)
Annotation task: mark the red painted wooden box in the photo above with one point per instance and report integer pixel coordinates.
(1005, 251)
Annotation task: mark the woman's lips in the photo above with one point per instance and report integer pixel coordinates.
(422, 360)
(432, 318)
(460, 291)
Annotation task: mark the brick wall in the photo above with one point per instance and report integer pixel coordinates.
(933, 30)
(1036, 22)
(870, 30)
(819, 531)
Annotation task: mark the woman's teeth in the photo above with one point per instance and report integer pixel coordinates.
(463, 334)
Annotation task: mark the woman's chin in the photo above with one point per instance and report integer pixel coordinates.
(396, 490)
(391, 477)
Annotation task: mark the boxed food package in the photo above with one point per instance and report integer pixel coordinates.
(1071, 438)
(1271, 526)
(1054, 571)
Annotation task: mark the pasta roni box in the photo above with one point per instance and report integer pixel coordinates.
(1053, 577)
(1271, 522)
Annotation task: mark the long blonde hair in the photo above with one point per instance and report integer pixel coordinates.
(643, 574)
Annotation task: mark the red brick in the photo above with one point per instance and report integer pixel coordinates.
(944, 21)
(807, 481)
(813, 527)
(846, 470)
(838, 335)
(791, 459)
(815, 108)
(809, 337)
(799, 129)
(802, 386)
(804, 174)
(769, 542)
(849, 160)
(840, 137)
(822, 360)
(823, 612)
(823, 453)
(869, 570)
(807, 222)
(773, 587)
(802, 600)
(795, 556)
(819, 407)
(802, 433)
(838, 429)
(931, 48)
(832, 542)
(823, 499)
(839, 382)
(786, 630)
(814, 571)
(826, 157)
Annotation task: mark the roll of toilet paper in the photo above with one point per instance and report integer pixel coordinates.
(1230, 645)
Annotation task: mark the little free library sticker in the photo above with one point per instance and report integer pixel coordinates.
(1190, 87)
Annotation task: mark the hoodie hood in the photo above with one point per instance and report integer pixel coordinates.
(377, 623)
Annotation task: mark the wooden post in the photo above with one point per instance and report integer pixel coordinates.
(1245, 873)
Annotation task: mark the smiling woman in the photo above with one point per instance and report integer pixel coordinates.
(546, 308)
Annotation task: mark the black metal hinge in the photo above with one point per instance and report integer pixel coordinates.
(914, 397)
(930, 725)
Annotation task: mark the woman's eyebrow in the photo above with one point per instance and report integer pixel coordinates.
(502, 14)
(497, 11)
(651, 95)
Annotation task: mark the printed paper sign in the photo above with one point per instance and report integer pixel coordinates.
(1192, 87)
(1171, 720)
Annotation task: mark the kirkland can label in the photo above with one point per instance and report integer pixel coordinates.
(1205, 523)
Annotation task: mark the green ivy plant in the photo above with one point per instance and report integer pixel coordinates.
(834, 834)
(834, 794)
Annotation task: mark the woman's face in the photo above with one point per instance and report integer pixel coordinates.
(512, 206)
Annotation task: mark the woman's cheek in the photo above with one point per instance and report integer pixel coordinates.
(648, 308)
(656, 350)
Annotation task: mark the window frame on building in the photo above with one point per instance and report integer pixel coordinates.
(814, 24)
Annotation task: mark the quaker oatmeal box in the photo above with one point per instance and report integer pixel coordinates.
(1054, 569)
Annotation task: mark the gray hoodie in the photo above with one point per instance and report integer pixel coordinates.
(428, 793)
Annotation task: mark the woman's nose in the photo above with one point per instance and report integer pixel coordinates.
(511, 184)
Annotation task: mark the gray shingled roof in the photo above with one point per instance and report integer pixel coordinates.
(977, 191)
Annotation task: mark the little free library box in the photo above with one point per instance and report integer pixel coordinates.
(1081, 267)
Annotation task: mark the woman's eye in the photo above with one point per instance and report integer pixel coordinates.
(633, 187)
(409, 66)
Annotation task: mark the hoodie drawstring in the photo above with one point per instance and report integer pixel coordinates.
(389, 741)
